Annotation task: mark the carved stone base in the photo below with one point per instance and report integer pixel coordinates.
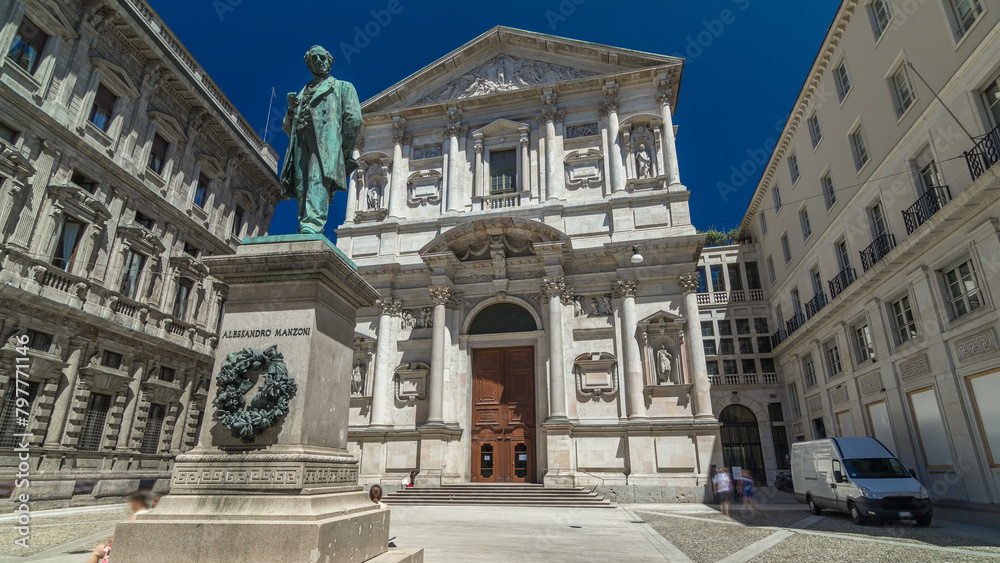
(271, 471)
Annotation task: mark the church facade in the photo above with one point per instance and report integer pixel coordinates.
(520, 210)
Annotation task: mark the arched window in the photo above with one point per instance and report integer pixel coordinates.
(741, 445)
(503, 317)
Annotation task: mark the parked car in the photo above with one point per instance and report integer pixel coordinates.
(859, 476)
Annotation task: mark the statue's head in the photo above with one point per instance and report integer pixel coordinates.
(319, 61)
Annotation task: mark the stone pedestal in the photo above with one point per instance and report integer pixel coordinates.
(292, 493)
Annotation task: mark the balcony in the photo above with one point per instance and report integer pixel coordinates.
(778, 337)
(984, 154)
(815, 304)
(840, 282)
(745, 379)
(501, 201)
(926, 206)
(793, 324)
(882, 245)
(735, 296)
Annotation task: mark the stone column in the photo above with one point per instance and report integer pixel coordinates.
(453, 194)
(610, 107)
(669, 143)
(440, 294)
(625, 290)
(128, 417)
(702, 388)
(388, 308)
(525, 162)
(477, 172)
(64, 398)
(557, 291)
(395, 194)
(552, 187)
(180, 425)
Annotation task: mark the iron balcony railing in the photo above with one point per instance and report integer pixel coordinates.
(777, 337)
(815, 304)
(840, 282)
(882, 245)
(984, 154)
(926, 206)
(793, 324)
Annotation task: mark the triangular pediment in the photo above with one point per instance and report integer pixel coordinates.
(505, 60)
(500, 127)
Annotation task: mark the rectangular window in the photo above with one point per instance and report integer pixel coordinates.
(927, 170)
(833, 363)
(503, 171)
(753, 275)
(963, 289)
(191, 250)
(902, 89)
(132, 272)
(829, 192)
(730, 367)
(878, 419)
(94, 419)
(767, 365)
(815, 132)
(727, 347)
(718, 279)
(863, 343)
(37, 340)
(104, 105)
(770, 269)
(28, 46)
(145, 221)
(793, 168)
(780, 448)
(707, 328)
(725, 328)
(763, 221)
(167, 374)
(7, 134)
(809, 371)
(984, 389)
(763, 344)
(742, 326)
(713, 367)
(845, 424)
(881, 15)
(843, 256)
(817, 281)
(859, 148)
(157, 154)
(774, 413)
(965, 13)
(735, 278)
(702, 281)
(843, 80)
(931, 431)
(200, 190)
(154, 427)
(181, 297)
(746, 345)
(84, 182)
(804, 223)
(793, 402)
(238, 221)
(710, 347)
(70, 233)
(760, 325)
(9, 415)
(111, 359)
(785, 250)
(776, 196)
(991, 98)
(819, 428)
(904, 324)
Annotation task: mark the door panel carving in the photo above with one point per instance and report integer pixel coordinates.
(503, 419)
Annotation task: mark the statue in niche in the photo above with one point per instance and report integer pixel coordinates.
(408, 320)
(578, 306)
(358, 379)
(664, 364)
(595, 307)
(499, 256)
(644, 161)
(606, 301)
(426, 318)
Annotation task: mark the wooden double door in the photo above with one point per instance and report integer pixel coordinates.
(503, 415)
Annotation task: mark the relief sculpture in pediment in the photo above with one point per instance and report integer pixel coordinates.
(503, 73)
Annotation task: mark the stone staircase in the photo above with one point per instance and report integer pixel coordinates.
(514, 494)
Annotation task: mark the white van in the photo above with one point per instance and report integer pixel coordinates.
(859, 476)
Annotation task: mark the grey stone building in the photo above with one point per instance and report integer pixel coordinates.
(121, 166)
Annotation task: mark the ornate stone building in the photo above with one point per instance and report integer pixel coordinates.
(520, 210)
(121, 166)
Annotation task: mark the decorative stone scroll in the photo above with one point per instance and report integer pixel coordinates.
(584, 168)
(596, 374)
(423, 188)
(411, 381)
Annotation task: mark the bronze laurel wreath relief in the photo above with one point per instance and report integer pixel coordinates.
(268, 405)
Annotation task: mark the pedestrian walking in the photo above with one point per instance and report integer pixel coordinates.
(723, 484)
(749, 501)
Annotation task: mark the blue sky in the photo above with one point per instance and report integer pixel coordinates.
(746, 61)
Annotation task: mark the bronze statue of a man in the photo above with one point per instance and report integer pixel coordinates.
(323, 123)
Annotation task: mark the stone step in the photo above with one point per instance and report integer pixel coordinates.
(479, 502)
(518, 494)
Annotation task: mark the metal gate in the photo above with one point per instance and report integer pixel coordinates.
(741, 442)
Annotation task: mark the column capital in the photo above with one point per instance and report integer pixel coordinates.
(391, 307)
(688, 282)
(440, 294)
(625, 288)
(664, 95)
(552, 114)
(455, 130)
(554, 286)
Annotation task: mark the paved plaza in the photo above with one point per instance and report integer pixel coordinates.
(633, 533)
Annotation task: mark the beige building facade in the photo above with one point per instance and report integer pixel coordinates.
(121, 166)
(877, 226)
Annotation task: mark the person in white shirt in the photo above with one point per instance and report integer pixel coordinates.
(723, 484)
